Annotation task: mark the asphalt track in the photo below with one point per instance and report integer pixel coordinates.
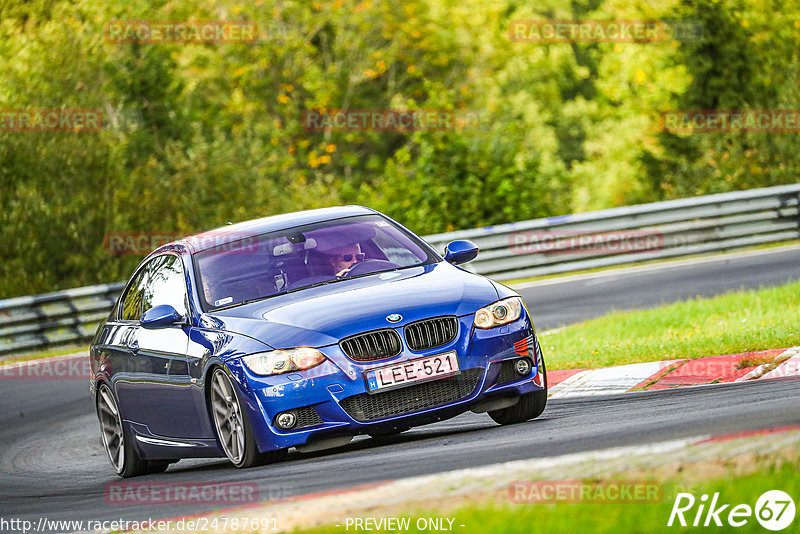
(52, 464)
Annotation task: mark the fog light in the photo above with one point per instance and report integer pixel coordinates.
(523, 366)
(286, 420)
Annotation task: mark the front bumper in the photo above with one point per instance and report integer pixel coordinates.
(332, 399)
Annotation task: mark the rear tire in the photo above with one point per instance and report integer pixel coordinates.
(118, 441)
(234, 431)
(530, 405)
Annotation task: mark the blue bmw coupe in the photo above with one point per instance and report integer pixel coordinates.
(304, 330)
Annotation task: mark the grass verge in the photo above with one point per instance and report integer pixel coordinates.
(742, 321)
(615, 516)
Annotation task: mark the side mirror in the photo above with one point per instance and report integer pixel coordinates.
(160, 316)
(461, 251)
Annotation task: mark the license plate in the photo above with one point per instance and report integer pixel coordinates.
(412, 371)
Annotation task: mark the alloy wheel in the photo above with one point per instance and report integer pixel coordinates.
(111, 427)
(227, 416)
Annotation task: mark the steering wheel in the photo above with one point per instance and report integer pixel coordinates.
(368, 266)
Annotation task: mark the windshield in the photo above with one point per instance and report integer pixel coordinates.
(295, 258)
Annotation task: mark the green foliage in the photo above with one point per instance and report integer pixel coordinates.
(197, 135)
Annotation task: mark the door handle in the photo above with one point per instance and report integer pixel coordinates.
(133, 346)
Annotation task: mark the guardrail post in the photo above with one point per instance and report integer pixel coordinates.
(798, 213)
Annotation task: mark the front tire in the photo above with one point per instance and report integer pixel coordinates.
(530, 405)
(234, 431)
(118, 441)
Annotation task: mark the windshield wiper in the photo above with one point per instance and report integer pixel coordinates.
(323, 283)
(283, 292)
(248, 301)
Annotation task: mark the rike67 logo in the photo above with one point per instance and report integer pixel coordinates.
(774, 510)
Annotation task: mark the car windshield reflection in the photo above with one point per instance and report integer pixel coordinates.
(258, 267)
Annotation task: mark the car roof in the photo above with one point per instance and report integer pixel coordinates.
(233, 232)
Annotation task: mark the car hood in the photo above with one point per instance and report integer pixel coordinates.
(324, 315)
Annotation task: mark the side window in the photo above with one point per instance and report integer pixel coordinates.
(161, 281)
(166, 284)
(132, 305)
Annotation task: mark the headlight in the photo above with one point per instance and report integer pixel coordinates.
(283, 361)
(501, 312)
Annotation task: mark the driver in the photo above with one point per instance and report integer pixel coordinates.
(343, 258)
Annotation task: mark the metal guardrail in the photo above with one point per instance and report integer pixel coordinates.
(62, 317)
(529, 248)
(684, 227)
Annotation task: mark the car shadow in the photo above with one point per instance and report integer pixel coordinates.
(359, 443)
